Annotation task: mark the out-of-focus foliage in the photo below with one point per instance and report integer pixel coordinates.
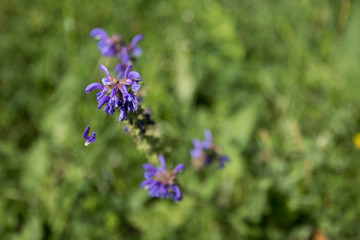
(276, 81)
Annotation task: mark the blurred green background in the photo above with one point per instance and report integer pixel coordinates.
(276, 81)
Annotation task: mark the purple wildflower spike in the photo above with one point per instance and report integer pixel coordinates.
(88, 139)
(160, 182)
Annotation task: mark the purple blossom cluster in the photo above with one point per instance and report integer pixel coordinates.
(205, 152)
(162, 183)
(117, 94)
(115, 46)
(120, 94)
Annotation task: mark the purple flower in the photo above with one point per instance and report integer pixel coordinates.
(133, 49)
(116, 47)
(204, 152)
(117, 94)
(88, 139)
(106, 45)
(160, 182)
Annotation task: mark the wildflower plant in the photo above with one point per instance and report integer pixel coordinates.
(162, 183)
(119, 93)
(205, 152)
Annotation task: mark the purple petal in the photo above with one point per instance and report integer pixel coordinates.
(107, 108)
(179, 167)
(135, 87)
(134, 102)
(103, 101)
(196, 153)
(100, 95)
(207, 144)
(136, 52)
(162, 161)
(124, 91)
(136, 39)
(177, 193)
(105, 81)
(92, 138)
(208, 136)
(154, 185)
(119, 70)
(86, 133)
(197, 145)
(123, 115)
(98, 33)
(124, 56)
(154, 192)
(145, 182)
(134, 75)
(127, 71)
(107, 51)
(105, 70)
(149, 175)
(130, 81)
(93, 86)
(162, 190)
(111, 111)
(149, 167)
(113, 93)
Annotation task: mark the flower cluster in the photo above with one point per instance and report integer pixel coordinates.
(117, 94)
(162, 183)
(205, 152)
(116, 47)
